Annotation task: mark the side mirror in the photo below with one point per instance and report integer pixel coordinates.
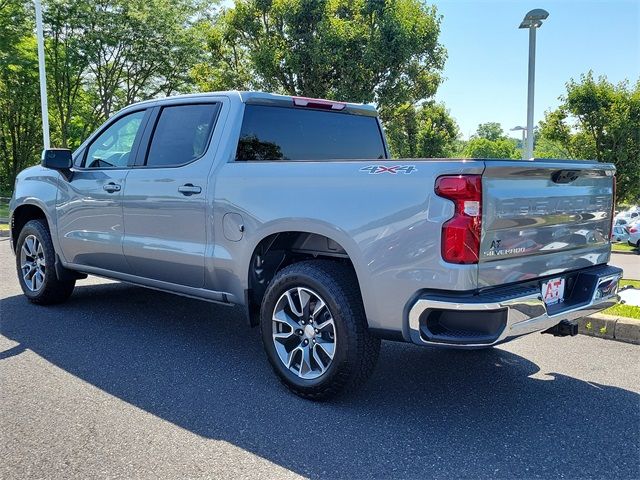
(57, 158)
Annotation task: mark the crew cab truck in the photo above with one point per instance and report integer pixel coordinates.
(292, 207)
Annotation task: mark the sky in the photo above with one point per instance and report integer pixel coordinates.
(486, 69)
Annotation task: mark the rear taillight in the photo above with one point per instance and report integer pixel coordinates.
(633, 230)
(461, 234)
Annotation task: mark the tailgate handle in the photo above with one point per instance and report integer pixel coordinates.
(565, 176)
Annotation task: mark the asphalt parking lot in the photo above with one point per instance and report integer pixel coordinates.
(124, 382)
(630, 263)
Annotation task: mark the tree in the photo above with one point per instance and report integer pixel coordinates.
(490, 141)
(223, 64)
(20, 131)
(357, 50)
(104, 55)
(484, 148)
(426, 131)
(491, 131)
(600, 120)
(546, 148)
(67, 61)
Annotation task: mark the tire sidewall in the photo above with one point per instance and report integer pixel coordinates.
(36, 228)
(273, 294)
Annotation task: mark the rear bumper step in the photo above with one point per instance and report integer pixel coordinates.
(500, 315)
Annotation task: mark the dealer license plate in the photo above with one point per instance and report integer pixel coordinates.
(553, 291)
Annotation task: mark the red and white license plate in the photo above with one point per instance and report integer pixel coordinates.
(553, 291)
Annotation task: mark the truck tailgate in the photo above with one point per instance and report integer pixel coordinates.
(543, 218)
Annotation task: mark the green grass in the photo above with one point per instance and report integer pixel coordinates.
(4, 210)
(621, 310)
(4, 226)
(633, 283)
(623, 247)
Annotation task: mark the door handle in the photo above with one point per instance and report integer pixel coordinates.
(111, 187)
(189, 189)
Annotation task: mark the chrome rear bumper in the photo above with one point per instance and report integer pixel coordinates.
(521, 308)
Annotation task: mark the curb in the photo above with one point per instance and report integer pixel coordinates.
(613, 252)
(612, 327)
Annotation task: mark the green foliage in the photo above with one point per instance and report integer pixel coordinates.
(600, 120)
(223, 64)
(426, 131)
(490, 141)
(106, 55)
(546, 148)
(100, 57)
(103, 55)
(20, 130)
(491, 131)
(484, 148)
(359, 50)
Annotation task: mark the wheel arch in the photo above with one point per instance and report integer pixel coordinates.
(275, 249)
(24, 213)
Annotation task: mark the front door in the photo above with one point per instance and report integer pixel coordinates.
(164, 200)
(89, 205)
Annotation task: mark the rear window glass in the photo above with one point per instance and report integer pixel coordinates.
(181, 135)
(280, 133)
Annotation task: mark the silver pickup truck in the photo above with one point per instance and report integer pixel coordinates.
(291, 207)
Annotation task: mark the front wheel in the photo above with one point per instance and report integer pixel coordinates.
(35, 263)
(314, 329)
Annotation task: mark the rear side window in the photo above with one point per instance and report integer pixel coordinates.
(181, 135)
(280, 133)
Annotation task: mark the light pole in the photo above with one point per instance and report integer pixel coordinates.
(524, 129)
(532, 21)
(43, 77)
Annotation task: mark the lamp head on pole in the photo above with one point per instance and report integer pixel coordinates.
(533, 19)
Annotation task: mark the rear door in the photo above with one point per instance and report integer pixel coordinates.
(542, 218)
(164, 201)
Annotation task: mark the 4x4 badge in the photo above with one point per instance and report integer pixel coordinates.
(393, 169)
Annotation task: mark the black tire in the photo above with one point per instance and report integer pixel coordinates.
(356, 350)
(52, 290)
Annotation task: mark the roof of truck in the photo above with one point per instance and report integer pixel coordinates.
(274, 99)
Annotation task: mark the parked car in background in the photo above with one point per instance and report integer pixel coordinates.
(291, 207)
(627, 216)
(620, 233)
(634, 234)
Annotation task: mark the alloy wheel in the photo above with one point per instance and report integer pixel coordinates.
(32, 263)
(304, 332)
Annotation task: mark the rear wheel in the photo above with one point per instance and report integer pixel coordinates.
(35, 263)
(314, 329)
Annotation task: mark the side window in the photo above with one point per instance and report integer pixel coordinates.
(113, 147)
(290, 133)
(181, 134)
